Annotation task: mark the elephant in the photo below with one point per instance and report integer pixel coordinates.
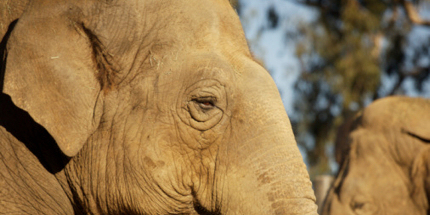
(142, 107)
(386, 170)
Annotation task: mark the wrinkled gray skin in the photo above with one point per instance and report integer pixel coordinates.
(142, 107)
(386, 170)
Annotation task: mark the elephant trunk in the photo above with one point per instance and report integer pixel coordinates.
(263, 167)
(272, 180)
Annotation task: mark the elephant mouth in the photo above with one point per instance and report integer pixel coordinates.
(202, 210)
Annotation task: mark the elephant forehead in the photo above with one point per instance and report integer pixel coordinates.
(202, 25)
(371, 158)
(365, 143)
(396, 111)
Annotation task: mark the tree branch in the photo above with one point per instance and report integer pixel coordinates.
(403, 74)
(413, 14)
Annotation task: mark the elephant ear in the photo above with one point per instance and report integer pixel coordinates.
(51, 72)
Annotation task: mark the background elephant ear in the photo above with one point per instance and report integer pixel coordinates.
(50, 72)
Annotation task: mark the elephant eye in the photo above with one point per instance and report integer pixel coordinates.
(206, 103)
(358, 205)
(362, 207)
(203, 104)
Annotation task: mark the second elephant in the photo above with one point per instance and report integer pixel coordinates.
(387, 168)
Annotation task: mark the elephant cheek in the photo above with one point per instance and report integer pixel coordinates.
(198, 140)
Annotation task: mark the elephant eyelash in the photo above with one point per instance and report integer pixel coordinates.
(205, 102)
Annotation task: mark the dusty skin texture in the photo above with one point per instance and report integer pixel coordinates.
(141, 107)
(387, 169)
(10, 10)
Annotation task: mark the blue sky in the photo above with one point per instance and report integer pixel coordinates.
(271, 45)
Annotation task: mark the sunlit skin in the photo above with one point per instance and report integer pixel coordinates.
(129, 109)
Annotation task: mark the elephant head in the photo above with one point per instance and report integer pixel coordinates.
(387, 167)
(157, 107)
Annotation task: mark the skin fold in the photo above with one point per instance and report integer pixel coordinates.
(141, 107)
(386, 170)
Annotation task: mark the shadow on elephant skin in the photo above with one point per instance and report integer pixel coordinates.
(23, 127)
(3, 53)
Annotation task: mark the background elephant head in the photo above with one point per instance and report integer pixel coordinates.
(142, 107)
(386, 170)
